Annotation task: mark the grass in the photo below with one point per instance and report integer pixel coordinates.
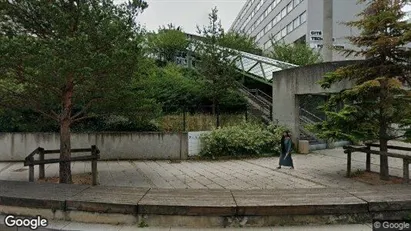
(199, 122)
(357, 173)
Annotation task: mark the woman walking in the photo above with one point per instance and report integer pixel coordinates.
(286, 145)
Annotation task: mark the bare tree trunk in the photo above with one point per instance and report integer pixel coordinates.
(213, 106)
(65, 142)
(384, 171)
(65, 151)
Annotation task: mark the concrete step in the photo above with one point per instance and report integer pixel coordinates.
(195, 208)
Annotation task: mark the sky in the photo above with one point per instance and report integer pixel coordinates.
(188, 13)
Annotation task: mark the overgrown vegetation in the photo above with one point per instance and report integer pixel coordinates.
(377, 101)
(243, 139)
(296, 53)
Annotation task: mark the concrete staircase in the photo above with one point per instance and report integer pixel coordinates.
(260, 105)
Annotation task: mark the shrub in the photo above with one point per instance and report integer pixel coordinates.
(242, 139)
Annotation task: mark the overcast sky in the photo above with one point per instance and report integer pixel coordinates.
(188, 13)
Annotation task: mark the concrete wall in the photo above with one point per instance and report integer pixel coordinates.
(290, 83)
(115, 145)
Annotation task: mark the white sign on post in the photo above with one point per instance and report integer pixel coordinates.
(194, 142)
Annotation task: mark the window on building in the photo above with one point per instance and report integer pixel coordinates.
(290, 7)
(290, 28)
(267, 45)
(278, 18)
(277, 37)
(296, 23)
(296, 2)
(252, 13)
(303, 17)
(283, 12)
(283, 32)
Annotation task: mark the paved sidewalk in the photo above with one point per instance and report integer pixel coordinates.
(74, 226)
(325, 168)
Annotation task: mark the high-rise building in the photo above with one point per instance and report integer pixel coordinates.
(297, 21)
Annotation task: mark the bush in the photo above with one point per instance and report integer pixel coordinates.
(242, 139)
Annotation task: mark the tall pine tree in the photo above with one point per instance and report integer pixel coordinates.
(377, 102)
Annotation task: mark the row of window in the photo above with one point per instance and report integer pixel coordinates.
(302, 18)
(286, 10)
(247, 7)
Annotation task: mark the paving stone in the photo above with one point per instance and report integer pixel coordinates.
(107, 199)
(187, 202)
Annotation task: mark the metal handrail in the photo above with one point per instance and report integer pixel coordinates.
(311, 114)
(258, 100)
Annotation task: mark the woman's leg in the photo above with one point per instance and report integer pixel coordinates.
(279, 161)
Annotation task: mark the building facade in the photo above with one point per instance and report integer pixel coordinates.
(297, 21)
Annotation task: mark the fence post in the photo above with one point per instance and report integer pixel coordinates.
(406, 171)
(31, 169)
(246, 113)
(184, 120)
(368, 158)
(218, 116)
(348, 163)
(94, 153)
(41, 166)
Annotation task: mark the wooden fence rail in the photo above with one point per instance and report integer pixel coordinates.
(349, 149)
(29, 161)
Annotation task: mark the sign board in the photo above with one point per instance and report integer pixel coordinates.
(316, 38)
(194, 142)
(316, 33)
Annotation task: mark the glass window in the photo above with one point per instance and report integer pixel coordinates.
(284, 32)
(283, 12)
(277, 37)
(296, 2)
(278, 18)
(296, 23)
(303, 17)
(267, 44)
(289, 7)
(252, 14)
(289, 28)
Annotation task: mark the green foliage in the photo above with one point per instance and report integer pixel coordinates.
(215, 61)
(241, 42)
(167, 43)
(377, 100)
(298, 53)
(68, 54)
(242, 139)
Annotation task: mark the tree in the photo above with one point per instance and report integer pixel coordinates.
(167, 43)
(240, 41)
(64, 58)
(298, 53)
(215, 62)
(377, 101)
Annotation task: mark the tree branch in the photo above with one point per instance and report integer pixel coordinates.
(82, 118)
(88, 105)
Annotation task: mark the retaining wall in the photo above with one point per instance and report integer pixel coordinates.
(113, 145)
